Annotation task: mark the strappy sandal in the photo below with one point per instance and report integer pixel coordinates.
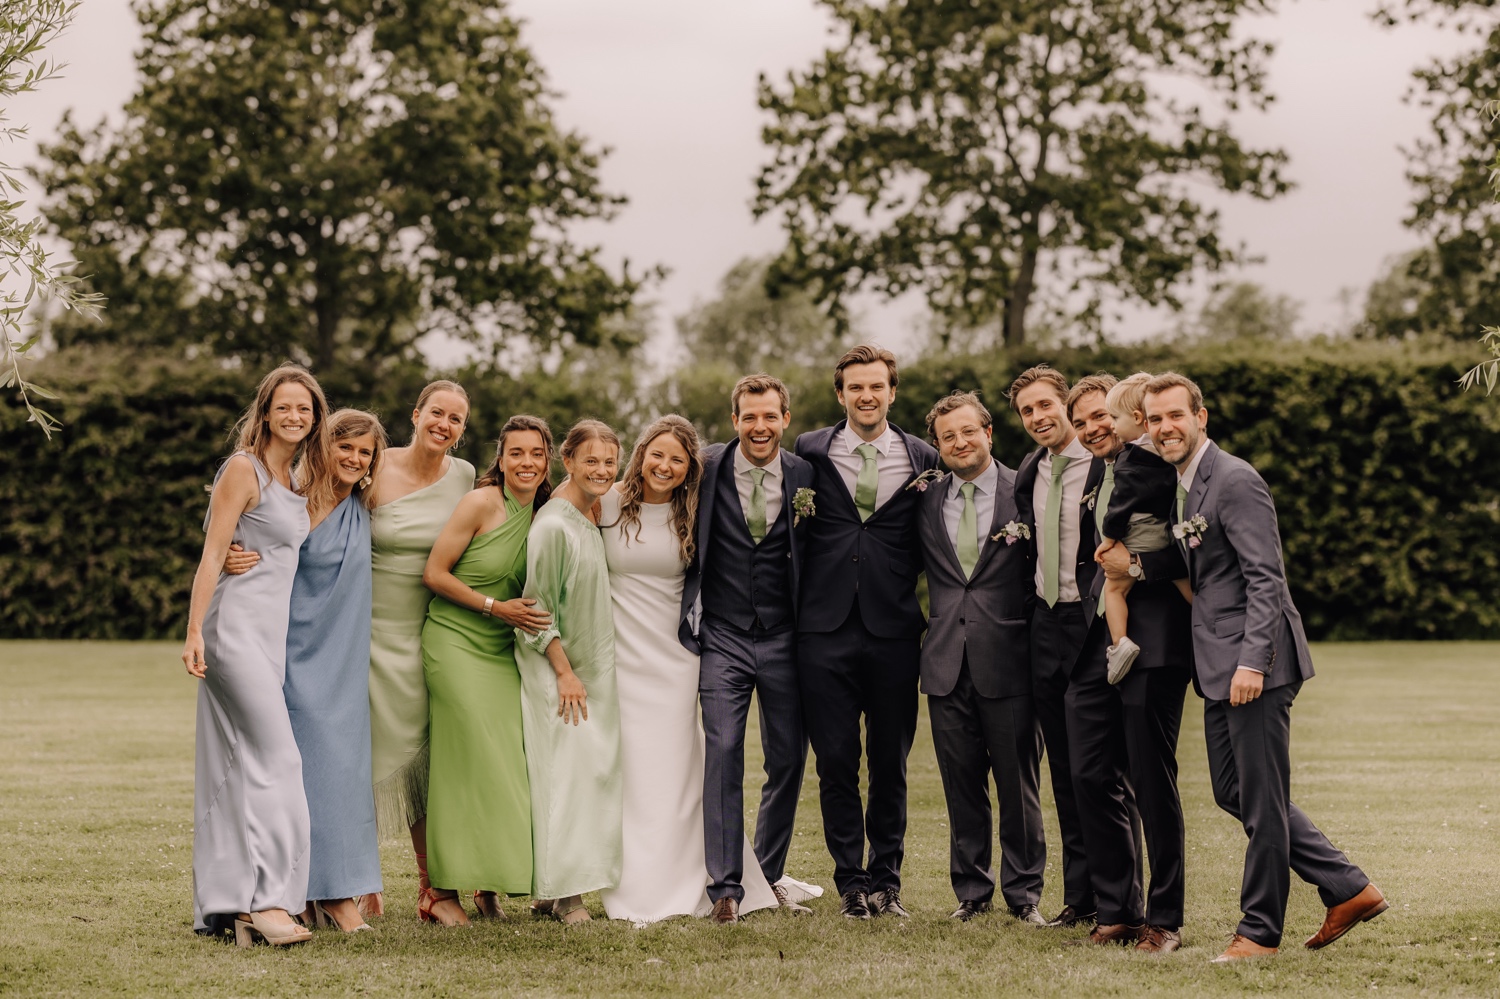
(541, 908)
(571, 910)
(323, 918)
(430, 897)
(254, 926)
(487, 904)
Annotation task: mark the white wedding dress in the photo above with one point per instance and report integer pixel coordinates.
(661, 738)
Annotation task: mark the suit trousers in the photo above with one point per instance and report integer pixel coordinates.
(1123, 748)
(847, 674)
(733, 664)
(1249, 762)
(1057, 635)
(976, 737)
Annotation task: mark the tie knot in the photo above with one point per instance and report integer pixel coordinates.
(758, 475)
(967, 489)
(1181, 492)
(1059, 462)
(1109, 472)
(866, 451)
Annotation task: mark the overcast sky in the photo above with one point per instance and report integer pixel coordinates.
(669, 86)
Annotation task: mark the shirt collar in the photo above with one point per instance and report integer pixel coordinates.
(1075, 450)
(742, 464)
(1190, 470)
(984, 483)
(882, 443)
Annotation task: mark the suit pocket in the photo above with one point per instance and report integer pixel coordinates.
(1229, 625)
(900, 567)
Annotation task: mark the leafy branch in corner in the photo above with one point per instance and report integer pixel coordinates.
(27, 276)
(1488, 371)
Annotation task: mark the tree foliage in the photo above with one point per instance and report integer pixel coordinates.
(333, 180)
(1243, 310)
(987, 151)
(29, 275)
(751, 329)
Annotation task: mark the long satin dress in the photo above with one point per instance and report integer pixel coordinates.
(574, 769)
(478, 796)
(402, 533)
(661, 740)
(328, 697)
(250, 823)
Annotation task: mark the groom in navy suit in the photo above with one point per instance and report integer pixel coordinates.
(749, 557)
(860, 627)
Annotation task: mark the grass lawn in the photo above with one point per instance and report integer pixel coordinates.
(1397, 757)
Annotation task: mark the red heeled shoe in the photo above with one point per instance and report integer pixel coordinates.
(430, 897)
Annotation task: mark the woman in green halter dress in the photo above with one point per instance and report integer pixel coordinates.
(478, 796)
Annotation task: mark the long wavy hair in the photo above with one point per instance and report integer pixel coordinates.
(345, 424)
(252, 433)
(495, 476)
(684, 497)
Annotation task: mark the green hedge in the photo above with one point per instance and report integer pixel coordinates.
(1383, 472)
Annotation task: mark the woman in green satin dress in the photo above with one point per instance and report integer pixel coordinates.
(478, 795)
(569, 702)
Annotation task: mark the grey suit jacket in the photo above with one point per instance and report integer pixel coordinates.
(988, 615)
(1242, 609)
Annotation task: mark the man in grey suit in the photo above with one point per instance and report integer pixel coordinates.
(976, 664)
(1250, 660)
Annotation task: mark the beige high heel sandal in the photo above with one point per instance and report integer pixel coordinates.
(323, 919)
(571, 910)
(250, 927)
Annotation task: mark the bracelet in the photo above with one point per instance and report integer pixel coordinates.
(489, 607)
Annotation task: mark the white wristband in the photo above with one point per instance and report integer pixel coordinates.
(489, 607)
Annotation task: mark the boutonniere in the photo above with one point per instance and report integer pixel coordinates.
(1092, 497)
(1191, 531)
(920, 482)
(802, 504)
(1013, 532)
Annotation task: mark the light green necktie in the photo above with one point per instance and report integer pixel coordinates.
(756, 518)
(869, 478)
(968, 532)
(1181, 507)
(1051, 528)
(1101, 503)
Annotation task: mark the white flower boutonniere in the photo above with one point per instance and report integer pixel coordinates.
(1013, 532)
(1092, 497)
(802, 504)
(1191, 531)
(920, 482)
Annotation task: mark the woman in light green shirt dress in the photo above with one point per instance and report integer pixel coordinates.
(570, 710)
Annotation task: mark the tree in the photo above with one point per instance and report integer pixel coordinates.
(752, 330)
(1244, 310)
(334, 180)
(26, 27)
(971, 150)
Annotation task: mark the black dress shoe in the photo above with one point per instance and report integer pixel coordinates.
(1028, 914)
(854, 905)
(888, 903)
(969, 908)
(1073, 915)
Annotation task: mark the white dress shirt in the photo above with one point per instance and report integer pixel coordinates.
(1188, 472)
(985, 485)
(1068, 532)
(745, 485)
(891, 459)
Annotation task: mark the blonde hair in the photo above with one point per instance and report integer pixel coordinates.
(1128, 397)
(684, 497)
(253, 434)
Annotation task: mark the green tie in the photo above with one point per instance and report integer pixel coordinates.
(1101, 504)
(869, 478)
(968, 532)
(756, 519)
(1051, 528)
(1181, 501)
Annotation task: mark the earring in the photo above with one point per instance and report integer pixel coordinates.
(366, 482)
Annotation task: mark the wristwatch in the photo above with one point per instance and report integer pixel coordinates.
(1135, 570)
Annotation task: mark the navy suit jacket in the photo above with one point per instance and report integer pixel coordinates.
(718, 459)
(878, 559)
(1083, 558)
(986, 616)
(1243, 613)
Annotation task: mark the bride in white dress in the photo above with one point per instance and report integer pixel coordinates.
(661, 739)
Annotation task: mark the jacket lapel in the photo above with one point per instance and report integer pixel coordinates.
(932, 508)
(840, 490)
(1195, 502)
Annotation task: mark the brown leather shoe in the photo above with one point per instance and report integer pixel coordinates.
(1240, 948)
(785, 904)
(726, 911)
(1342, 918)
(1114, 933)
(1158, 940)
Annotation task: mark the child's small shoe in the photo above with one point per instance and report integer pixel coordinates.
(1120, 658)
